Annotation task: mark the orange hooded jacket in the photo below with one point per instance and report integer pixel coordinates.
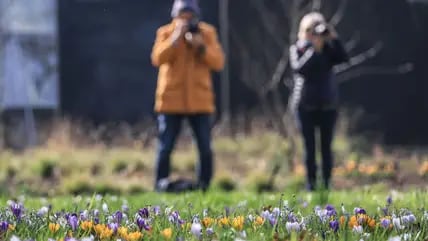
(184, 80)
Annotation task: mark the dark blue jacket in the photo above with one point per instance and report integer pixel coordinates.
(314, 84)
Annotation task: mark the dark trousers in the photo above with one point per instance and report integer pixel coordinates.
(309, 122)
(169, 129)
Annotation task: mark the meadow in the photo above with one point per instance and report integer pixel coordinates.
(74, 190)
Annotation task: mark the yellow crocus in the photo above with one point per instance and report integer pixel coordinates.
(167, 233)
(87, 225)
(122, 232)
(207, 222)
(224, 221)
(53, 227)
(238, 223)
(259, 221)
(134, 236)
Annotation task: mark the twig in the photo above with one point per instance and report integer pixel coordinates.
(267, 23)
(340, 13)
(316, 5)
(360, 58)
(353, 41)
(372, 70)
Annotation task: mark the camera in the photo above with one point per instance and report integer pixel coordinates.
(321, 29)
(193, 25)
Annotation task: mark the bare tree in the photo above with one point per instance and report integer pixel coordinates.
(265, 69)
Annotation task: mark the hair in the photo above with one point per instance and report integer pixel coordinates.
(307, 22)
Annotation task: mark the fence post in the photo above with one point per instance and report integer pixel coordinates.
(225, 81)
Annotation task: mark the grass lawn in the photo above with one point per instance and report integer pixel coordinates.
(47, 192)
(364, 213)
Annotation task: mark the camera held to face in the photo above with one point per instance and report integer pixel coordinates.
(193, 25)
(192, 28)
(321, 29)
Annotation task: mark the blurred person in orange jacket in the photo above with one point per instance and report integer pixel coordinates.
(186, 51)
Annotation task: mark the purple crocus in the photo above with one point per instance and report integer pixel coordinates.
(292, 217)
(385, 222)
(174, 217)
(272, 220)
(118, 216)
(334, 225)
(73, 221)
(389, 200)
(331, 211)
(70, 239)
(114, 227)
(359, 211)
(3, 226)
(227, 211)
(144, 212)
(125, 208)
(385, 211)
(84, 215)
(210, 231)
(142, 223)
(156, 210)
(17, 210)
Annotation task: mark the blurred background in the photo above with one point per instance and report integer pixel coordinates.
(90, 60)
(83, 67)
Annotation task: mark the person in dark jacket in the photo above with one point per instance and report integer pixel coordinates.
(314, 100)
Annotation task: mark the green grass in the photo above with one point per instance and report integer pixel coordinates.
(242, 203)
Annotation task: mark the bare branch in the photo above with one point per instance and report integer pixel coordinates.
(353, 41)
(267, 23)
(279, 71)
(371, 70)
(340, 13)
(316, 5)
(360, 58)
(295, 15)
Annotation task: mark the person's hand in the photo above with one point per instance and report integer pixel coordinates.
(317, 42)
(179, 30)
(333, 33)
(194, 39)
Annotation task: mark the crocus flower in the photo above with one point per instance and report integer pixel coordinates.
(15, 238)
(125, 208)
(156, 210)
(84, 215)
(73, 221)
(70, 239)
(210, 231)
(397, 223)
(389, 200)
(292, 226)
(88, 239)
(358, 229)
(142, 223)
(385, 222)
(114, 227)
(42, 211)
(331, 211)
(334, 225)
(118, 216)
(196, 229)
(105, 208)
(4, 226)
(359, 211)
(272, 220)
(144, 212)
(17, 210)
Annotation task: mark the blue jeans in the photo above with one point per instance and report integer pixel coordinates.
(169, 129)
(309, 121)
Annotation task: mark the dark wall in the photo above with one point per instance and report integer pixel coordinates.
(106, 73)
